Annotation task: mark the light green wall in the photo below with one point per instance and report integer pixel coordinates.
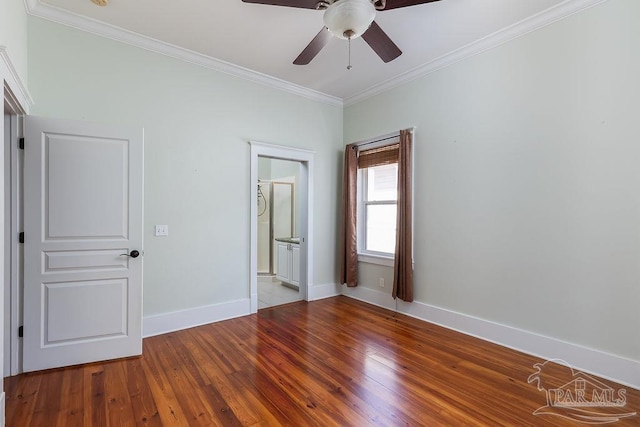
(13, 34)
(197, 126)
(527, 180)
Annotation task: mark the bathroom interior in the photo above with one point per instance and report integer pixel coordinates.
(278, 232)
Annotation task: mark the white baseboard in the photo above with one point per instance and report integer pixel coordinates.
(177, 320)
(325, 290)
(619, 369)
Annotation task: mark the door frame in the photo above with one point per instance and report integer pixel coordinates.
(12, 345)
(305, 213)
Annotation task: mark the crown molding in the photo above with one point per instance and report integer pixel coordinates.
(9, 73)
(129, 37)
(526, 26)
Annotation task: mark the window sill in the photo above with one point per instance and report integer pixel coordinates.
(376, 259)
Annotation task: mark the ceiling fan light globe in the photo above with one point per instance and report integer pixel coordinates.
(349, 18)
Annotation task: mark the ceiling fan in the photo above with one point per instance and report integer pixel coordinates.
(348, 19)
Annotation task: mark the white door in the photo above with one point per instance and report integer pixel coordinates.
(83, 230)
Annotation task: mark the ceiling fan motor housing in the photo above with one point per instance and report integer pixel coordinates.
(348, 19)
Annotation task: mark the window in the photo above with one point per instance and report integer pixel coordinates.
(371, 207)
(377, 207)
(379, 204)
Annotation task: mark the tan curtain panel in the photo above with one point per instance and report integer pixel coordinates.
(378, 156)
(349, 237)
(403, 262)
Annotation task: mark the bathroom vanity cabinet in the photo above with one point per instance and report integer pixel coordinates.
(288, 261)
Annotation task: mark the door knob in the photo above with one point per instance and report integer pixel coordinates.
(133, 254)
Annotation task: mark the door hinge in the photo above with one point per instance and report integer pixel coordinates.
(21, 237)
(21, 143)
(21, 332)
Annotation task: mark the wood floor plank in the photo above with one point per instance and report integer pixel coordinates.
(117, 397)
(21, 394)
(334, 362)
(49, 400)
(145, 411)
(72, 414)
(96, 413)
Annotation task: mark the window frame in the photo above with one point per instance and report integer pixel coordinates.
(367, 256)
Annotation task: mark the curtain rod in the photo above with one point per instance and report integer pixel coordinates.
(382, 138)
(361, 144)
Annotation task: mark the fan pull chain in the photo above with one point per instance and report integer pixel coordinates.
(349, 66)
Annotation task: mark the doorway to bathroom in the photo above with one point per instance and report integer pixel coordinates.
(278, 232)
(281, 225)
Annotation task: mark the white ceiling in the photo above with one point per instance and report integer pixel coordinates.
(262, 41)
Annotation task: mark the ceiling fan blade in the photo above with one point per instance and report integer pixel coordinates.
(381, 43)
(395, 4)
(315, 46)
(303, 4)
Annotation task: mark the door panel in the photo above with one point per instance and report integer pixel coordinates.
(65, 261)
(283, 261)
(65, 319)
(95, 206)
(295, 264)
(83, 215)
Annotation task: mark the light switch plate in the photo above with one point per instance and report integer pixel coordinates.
(162, 230)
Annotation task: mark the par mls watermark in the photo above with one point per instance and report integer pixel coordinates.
(578, 396)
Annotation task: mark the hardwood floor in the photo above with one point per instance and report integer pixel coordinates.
(331, 362)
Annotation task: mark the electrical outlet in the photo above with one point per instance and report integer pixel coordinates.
(382, 282)
(162, 230)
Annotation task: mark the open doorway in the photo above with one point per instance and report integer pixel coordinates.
(281, 224)
(278, 232)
